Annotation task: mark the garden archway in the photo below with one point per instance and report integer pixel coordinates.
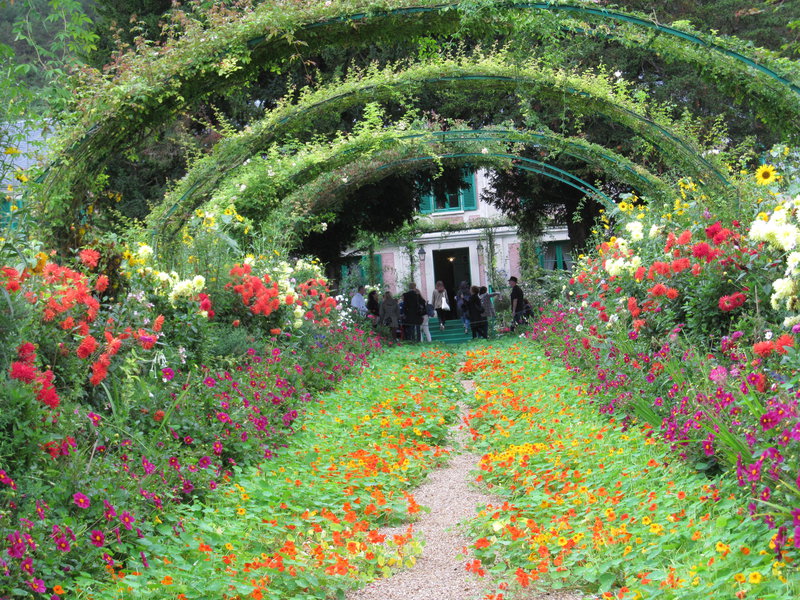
(224, 57)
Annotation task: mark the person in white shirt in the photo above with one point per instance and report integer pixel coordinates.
(358, 302)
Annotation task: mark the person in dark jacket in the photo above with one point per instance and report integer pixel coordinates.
(412, 313)
(462, 297)
(477, 316)
(373, 307)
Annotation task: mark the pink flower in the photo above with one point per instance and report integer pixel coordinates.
(94, 418)
(97, 538)
(127, 520)
(81, 500)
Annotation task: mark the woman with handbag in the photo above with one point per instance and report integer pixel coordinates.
(440, 303)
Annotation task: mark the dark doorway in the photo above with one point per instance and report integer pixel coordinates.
(452, 267)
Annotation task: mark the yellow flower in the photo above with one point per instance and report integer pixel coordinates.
(755, 577)
(766, 174)
(739, 578)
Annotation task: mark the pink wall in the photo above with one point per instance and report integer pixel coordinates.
(513, 260)
(389, 272)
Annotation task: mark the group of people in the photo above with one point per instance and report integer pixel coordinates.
(472, 304)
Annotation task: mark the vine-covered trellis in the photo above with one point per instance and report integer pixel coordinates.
(148, 88)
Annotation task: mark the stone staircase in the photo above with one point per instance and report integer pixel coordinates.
(454, 332)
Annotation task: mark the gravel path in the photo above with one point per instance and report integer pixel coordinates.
(439, 574)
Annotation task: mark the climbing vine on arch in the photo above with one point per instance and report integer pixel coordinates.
(148, 89)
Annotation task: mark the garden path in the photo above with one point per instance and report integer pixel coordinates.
(440, 571)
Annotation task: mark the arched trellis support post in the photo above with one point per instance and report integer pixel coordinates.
(224, 58)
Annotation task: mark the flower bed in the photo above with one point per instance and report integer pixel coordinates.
(685, 317)
(601, 504)
(307, 519)
(113, 416)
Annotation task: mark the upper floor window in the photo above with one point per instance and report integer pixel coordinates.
(464, 199)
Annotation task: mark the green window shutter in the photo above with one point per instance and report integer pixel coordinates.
(540, 255)
(559, 257)
(426, 203)
(469, 200)
(379, 268)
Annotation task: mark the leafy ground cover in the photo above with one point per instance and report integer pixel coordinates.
(304, 523)
(601, 503)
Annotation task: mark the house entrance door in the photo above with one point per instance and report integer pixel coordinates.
(452, 266)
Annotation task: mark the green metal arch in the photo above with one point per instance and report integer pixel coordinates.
(602, 13)
(143, 101)
(633, 175)
(210, 171)
(366, 175)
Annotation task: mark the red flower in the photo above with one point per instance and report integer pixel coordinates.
(658, 289)
(713, 230)
(27, 353)
(783, 342)
(732, 302)
(101, 285)
(672, 293)
(89, 257)
(633, 307)
(763, 349)
(684, 238)
(22, 372)
(87, 347)
(158, 323)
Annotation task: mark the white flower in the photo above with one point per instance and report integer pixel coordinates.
(785, 236)
(242, 187)
(579, 328)
(144, 252)
(618, 74)
(635, 229)
(198, 283)
(792, 262)
(767, 335)
(655, 231)
(484, 151)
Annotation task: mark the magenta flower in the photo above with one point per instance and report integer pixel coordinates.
(62, 543)
(97, 538)
(94, 418)
(27, 565)
(109, 513)
(127, 520)
(81, 500)
(210, 382)
(37, 585)
(167, 374)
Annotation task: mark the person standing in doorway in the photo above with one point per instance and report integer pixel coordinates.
(441, 303)
(412, 313)
(517, 303)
